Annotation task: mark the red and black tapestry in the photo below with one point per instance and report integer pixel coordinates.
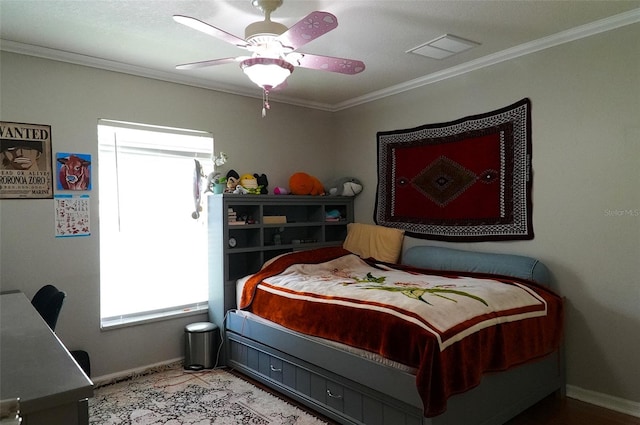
(464, 180)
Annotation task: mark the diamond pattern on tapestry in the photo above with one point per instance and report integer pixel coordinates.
(444, 180)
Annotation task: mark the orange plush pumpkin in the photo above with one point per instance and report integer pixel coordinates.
(304, 184)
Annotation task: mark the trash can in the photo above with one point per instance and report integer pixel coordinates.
(200, 345)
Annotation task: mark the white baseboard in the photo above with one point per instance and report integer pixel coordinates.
(124, 374)
(603, 400)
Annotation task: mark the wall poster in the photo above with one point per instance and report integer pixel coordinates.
(25, 161)
(73, 171)
(72, 215)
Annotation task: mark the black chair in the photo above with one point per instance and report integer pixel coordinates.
(48, 302)
(82, 357)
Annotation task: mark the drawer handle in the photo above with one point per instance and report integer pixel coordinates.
(274, 369)
(332, 395)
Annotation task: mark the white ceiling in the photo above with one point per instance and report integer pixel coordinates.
(140, 37)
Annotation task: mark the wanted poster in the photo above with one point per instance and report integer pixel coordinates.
(25, 161)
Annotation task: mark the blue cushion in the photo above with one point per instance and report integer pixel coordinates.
(439, 258)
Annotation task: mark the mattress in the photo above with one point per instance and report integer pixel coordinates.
(368, 355)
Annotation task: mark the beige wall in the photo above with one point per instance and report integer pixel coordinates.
(586, 148)
(586, 159)
(71, 99)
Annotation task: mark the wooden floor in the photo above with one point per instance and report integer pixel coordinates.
(554, 410)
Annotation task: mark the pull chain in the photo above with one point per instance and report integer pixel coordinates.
(265, 102)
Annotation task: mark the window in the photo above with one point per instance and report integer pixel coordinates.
(153, 254)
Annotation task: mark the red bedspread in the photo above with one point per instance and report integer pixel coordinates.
(451, 327)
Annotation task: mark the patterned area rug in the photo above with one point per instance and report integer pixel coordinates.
(179, 397)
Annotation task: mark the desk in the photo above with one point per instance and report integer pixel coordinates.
(36, 366)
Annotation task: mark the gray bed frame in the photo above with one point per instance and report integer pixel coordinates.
(351, 389)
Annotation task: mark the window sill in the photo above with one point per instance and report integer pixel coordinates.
(111, 323)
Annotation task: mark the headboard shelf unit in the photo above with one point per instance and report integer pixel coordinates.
(265, 226)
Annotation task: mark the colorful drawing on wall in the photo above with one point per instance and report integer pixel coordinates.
(74, 171)
(25, 161)
(72, 215)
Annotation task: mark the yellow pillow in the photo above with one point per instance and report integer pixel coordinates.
(370, 240)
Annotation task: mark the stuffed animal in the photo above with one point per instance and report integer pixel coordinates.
(232, 183)
(279, 190)
(248, 181)
(263, 183)
(232, 180)
(347, 186)
(304, 184)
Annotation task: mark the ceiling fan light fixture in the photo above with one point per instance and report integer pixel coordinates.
(266, 73)
(262, 29)
(273, 48)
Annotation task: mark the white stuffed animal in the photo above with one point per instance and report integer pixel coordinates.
(347, 186)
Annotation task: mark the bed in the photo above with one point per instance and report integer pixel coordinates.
(356, 361)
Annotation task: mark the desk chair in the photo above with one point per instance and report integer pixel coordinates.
(48, 302)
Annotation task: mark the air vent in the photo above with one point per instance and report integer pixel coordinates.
(443, 47)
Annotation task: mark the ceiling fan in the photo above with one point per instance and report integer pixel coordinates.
(273, 47)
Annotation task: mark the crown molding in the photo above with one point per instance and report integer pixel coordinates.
(583, 31)
(138, 71)
(109, 65)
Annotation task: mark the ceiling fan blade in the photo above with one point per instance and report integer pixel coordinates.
(307, 29)
(327, 63)
(201, 26)
(203, 64)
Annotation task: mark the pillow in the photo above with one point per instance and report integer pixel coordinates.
(440, 258)
(370, 240)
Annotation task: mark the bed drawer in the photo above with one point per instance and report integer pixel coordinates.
(320, 390)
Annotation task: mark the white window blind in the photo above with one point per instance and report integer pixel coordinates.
(153, 254)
